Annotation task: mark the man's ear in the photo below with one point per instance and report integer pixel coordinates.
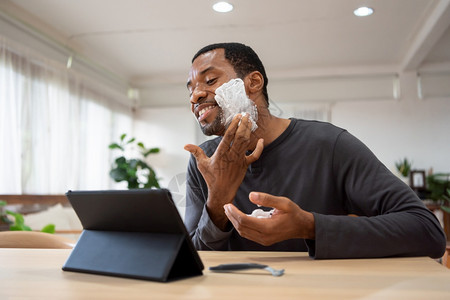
(254, 82)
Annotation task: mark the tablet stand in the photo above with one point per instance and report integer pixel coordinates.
(142, 255)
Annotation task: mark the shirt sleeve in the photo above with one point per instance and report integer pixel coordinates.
(392, 220)
(205, 235)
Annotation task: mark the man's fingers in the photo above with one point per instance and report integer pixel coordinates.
(196, 151)
(228, 138)
(248, 227)
(256, 153)
(267, 200)
(237, 217)
(242, 136)
(237, 135)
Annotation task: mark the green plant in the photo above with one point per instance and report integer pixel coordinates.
(404, 167)
(447, 199)
(135, 171)
(438, 186)
(19, 221)
(3, 216)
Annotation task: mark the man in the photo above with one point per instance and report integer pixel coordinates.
(312, 174)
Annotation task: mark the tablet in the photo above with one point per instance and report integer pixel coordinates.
(132, 233)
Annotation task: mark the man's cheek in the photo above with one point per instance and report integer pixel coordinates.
(232, 99)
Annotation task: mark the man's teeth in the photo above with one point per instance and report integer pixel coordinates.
(200, 113)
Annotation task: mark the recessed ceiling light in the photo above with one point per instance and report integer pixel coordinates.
(223, 7)
(363, 11)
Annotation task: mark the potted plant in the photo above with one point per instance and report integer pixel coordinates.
(135, 171)
(404, 169)
(5, 222)
(438, 190)
(19, 222)
(438, 186)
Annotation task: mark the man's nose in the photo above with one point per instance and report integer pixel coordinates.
(198, 95)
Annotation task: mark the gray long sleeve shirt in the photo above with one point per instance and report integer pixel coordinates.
(328, 172)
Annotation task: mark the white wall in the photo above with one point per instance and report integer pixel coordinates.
(169, 129)
(418, 130)
(409, 127)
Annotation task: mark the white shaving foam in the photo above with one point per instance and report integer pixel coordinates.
(260, 214)
(233, 100)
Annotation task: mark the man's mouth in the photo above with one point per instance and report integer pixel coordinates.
(204, 112)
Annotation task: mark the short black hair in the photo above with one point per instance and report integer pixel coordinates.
(243, 59)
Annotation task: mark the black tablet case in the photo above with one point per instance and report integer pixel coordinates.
(132, 233)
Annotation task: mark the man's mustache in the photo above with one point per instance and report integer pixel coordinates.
(204, 102)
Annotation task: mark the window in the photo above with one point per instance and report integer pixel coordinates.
(55, 126)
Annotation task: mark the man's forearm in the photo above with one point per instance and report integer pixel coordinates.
(207, 236)
(410, 233)
(214, 206)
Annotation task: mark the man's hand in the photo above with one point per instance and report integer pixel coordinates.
(288, 221)
(226, 168)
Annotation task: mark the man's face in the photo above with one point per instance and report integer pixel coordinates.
(209, 71)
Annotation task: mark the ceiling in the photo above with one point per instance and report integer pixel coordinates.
(152, 42)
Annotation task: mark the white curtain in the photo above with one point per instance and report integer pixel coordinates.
(55, 126)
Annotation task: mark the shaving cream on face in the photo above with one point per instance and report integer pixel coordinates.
(233, 100)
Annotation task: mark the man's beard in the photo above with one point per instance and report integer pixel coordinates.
(217, 127)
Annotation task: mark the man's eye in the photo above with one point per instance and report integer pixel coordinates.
(211, 81)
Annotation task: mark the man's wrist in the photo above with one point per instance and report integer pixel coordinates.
(217, 216)
(311, 227)
(214, 205)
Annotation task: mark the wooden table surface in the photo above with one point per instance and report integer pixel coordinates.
(37, 274)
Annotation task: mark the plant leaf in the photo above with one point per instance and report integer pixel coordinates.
(118, 174)
(18, 217)
(152, 150)
(446, 209)
(120, 160)
(151, 179)
(133, 163)
(131, 140)
(19, 223)
(122, 137)
(14, 227)
(133, 183)
(437, 184)
(143, 164)
(6, 220)
(115, 146)
(49, 228)
(19, 227)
